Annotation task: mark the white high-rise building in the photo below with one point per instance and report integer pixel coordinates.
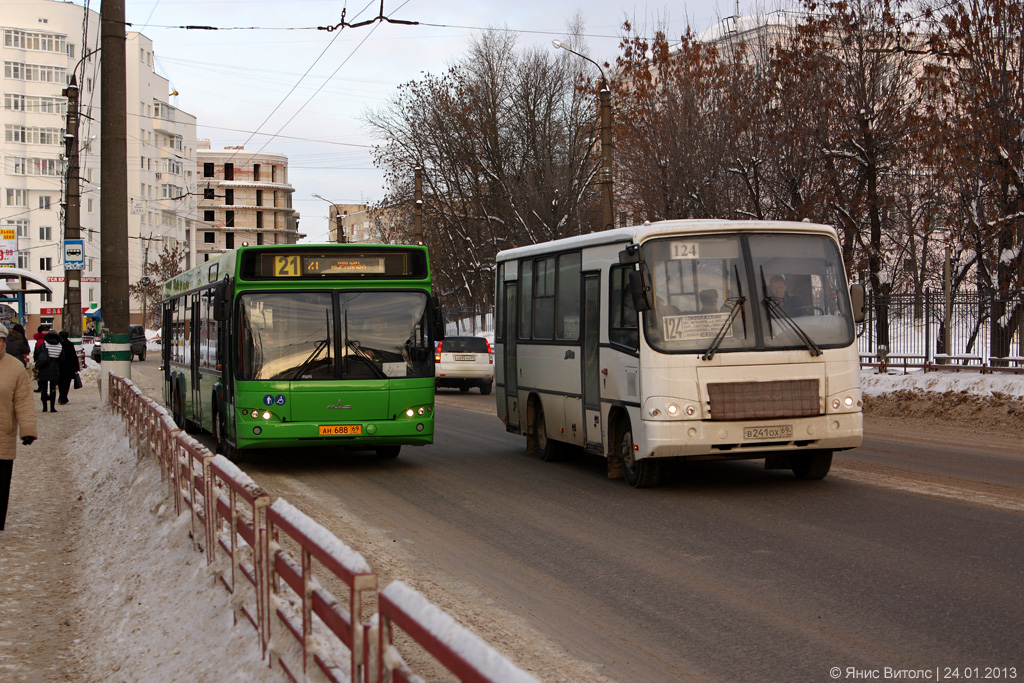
(44, 43)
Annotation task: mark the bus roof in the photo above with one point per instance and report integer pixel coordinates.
(639, 233)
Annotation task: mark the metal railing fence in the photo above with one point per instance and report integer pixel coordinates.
(914, 327)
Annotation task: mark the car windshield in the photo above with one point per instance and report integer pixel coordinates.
(788, 290)
(333, 335)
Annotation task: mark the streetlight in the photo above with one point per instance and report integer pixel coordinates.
(337, 218)
(605, 109)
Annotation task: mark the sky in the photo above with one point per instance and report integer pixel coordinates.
(290, 89)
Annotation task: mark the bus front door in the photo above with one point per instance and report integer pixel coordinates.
(591, 370)
(511, 371)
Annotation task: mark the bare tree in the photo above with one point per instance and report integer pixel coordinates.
(981, 45)
(148, 290)
(505, 140)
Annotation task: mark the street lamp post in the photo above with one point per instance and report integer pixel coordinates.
(605, 110)
(337, 218)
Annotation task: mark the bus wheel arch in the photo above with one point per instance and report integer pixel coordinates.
(639, 473)
(537, 440)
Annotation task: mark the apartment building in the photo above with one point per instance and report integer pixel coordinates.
(44, 43)
(42, 46)
(245, 198)
(162, 195)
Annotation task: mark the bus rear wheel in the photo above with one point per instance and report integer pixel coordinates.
(548, 448)
(811, 464)
(640, 474)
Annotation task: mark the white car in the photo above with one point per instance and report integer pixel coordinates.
(464, 362)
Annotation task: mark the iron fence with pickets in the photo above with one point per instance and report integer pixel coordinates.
(913, 333)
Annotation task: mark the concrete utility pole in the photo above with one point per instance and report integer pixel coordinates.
(116, 356)
(72, 314)
(605, 111)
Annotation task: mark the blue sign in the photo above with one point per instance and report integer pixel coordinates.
(74, 254)
(268, 400)
(280, 400)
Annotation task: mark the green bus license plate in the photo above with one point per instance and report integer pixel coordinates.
(778, 432)
(340, 430)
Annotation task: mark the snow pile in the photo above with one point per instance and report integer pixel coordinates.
(945, 381)
(151, 604)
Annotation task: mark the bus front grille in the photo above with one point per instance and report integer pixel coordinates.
(763, 400)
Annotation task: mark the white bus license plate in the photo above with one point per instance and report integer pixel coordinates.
(465, 357)
(774, 433)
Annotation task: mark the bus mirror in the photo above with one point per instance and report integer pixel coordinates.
(857, 301)
(438, 317)
(221, 304)
(638, 292)
(630, 254)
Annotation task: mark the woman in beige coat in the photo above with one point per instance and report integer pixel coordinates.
(16, 414)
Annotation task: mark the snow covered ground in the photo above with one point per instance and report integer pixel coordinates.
(100, 579)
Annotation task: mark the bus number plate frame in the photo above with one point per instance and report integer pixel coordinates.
(340, 430)
(768, 433)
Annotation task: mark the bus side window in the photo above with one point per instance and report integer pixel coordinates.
(623, 320)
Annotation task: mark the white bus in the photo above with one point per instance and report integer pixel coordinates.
(686, 339)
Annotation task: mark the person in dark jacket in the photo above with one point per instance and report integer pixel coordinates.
(47, 358)
(17, 344)
(38, 339)
(68, 367)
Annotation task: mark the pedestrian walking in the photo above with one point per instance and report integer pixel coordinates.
(48, 357)
(17, 344)
(68, 367)
(17, 416)
(38, 339)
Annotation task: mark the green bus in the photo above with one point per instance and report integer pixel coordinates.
(284, 346)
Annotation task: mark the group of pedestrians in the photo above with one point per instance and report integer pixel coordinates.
(56, 362)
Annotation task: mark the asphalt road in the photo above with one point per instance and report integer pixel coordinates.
(726, 571)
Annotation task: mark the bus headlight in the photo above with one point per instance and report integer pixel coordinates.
(419, 411)
(845, 403)
(664, 408)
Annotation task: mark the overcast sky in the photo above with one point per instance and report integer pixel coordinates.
(310, 87)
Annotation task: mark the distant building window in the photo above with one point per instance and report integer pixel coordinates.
(208, 193)
(229, 171)
(229, 196)
(209, 216)
(259, 197)
(229, 240)
(45, 263)
(229, 219)
(208, 238)
(255, 171)
(44, 201)
(207, 170)
(45, 232)
(259, 220)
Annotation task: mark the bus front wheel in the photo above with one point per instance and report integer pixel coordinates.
(811, 464)
(223, 447)
(640, 474)
(387, 452)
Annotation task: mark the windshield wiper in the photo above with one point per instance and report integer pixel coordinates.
(357, 349)
(720, 336)
(320, 346)
(772, 305)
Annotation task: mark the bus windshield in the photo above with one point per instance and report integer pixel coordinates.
(788, 289)
(321, 335)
